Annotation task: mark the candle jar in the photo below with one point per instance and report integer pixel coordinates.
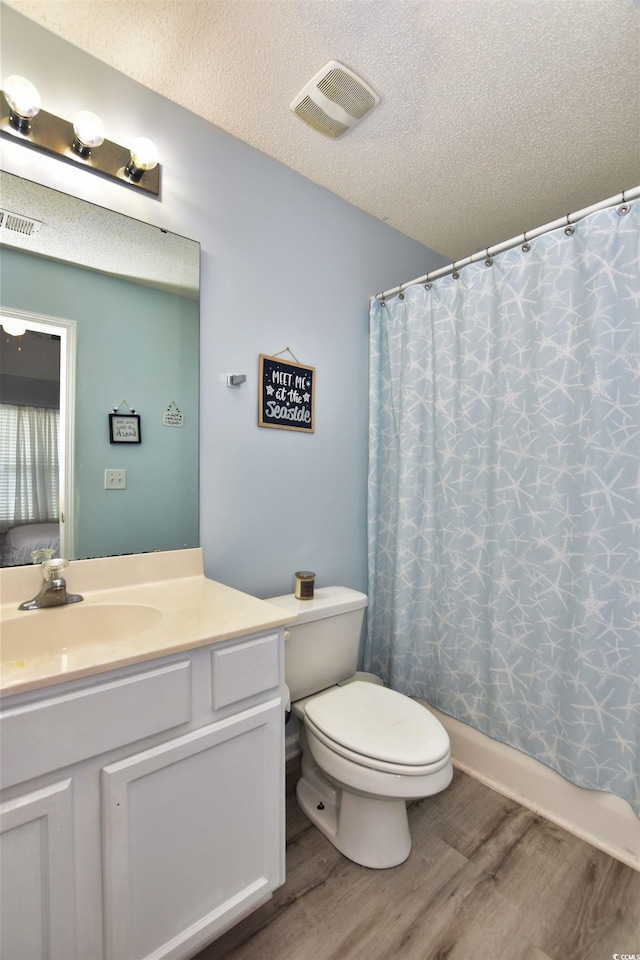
(305, 583)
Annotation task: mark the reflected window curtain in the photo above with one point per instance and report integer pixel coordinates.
(504, 520)
(28, 465)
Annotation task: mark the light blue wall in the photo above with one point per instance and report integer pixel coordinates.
(147, 362)
(285, 263)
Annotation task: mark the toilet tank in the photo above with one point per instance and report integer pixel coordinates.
(322, 648)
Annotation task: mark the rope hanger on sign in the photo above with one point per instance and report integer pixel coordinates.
(116, 409)
(286, 350)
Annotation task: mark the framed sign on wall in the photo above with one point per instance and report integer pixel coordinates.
(124, 428)
(286, 394)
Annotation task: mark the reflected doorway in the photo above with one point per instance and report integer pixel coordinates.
(38, 356)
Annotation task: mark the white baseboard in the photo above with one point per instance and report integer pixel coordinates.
(602, 819)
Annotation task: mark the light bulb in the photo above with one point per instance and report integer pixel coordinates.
(23, 100)
(15, 328)
(144, 156)
(89, 132)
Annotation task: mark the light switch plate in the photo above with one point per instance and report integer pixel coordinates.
(115, 479)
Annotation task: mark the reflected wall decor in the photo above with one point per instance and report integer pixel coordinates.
(124, 428)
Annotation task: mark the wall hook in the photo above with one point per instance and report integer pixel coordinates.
(235, 379)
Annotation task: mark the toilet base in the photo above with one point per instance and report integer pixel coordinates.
(370, 831)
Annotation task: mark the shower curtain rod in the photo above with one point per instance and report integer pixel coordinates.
(570, 218)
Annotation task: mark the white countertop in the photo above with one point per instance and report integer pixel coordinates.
(194, 611)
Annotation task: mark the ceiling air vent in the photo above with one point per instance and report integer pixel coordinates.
(12, 224)
(334, 101)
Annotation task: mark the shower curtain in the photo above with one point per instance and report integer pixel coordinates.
(504, 520)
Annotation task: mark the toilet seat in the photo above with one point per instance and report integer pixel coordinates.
(379, 728)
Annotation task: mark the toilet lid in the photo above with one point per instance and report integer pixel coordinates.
(377, 722)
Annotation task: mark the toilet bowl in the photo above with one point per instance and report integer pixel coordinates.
(366, 749)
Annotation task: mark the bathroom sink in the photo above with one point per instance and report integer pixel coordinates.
(58, 630)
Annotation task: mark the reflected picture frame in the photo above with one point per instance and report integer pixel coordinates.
(124, 428)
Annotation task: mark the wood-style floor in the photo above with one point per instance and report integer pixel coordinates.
(486, 879)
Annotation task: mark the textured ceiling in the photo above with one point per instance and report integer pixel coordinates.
(496, 115)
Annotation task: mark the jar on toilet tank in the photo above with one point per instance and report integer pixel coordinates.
(305, 584)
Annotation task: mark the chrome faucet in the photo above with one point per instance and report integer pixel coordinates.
(53, 592)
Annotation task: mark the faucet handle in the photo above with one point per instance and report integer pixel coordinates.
(52, 569)
(42, 554)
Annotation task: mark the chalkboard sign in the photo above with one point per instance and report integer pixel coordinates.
(286, 394)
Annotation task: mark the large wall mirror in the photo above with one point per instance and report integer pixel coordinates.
(100, 317)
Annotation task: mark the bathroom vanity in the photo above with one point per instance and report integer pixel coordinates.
(142, 806)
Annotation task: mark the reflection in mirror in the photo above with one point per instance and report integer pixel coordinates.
(37, 360)
(123, 296)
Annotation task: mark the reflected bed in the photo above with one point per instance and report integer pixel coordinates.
(19, 542)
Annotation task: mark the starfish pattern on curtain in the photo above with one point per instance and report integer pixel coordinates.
(504, 517)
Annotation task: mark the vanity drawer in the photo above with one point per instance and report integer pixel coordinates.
(85, 723)
(244, 670)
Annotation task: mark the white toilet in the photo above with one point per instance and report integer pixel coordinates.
(366, 749)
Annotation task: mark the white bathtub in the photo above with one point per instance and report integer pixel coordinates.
(603, 819)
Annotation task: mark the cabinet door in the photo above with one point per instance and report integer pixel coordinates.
(193, 835)
(36, 875)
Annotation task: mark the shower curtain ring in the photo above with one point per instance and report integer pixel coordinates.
(488, 259)
(455, 274)
(526, 246)
(400, 293)
(569, 230)
(624, 206)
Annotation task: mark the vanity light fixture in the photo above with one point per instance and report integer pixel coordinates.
(144, 156)
(81, 142)
(23, 100)
(88, 132)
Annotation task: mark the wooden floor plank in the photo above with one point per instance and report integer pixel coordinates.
(487, 879)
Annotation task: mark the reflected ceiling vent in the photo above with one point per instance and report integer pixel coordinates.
(12, 224)
(334, 101)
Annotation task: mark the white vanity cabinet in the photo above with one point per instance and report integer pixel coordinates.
(36, 874)
(142, 810)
